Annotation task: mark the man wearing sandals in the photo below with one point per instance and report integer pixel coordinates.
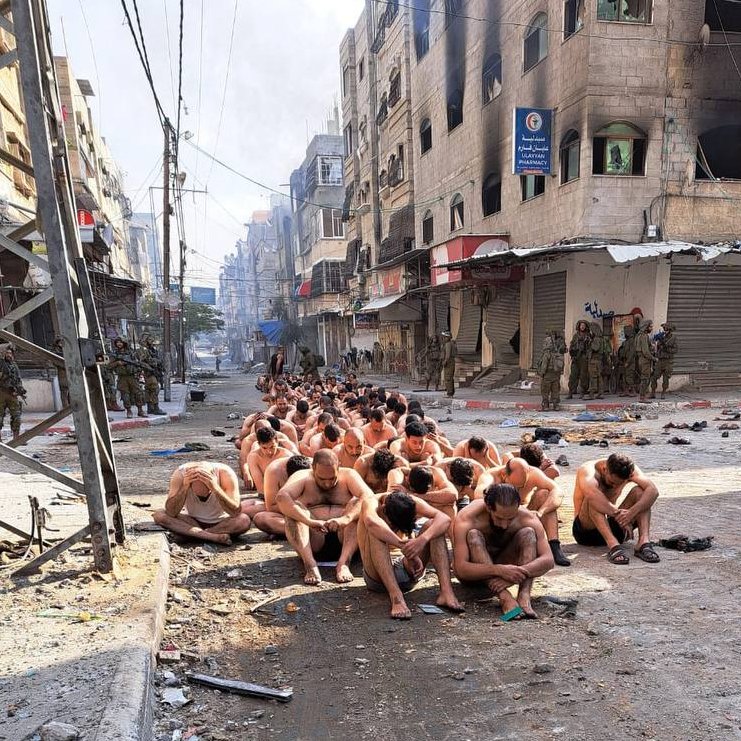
(612, 498)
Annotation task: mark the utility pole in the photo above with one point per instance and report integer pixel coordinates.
(182, 311)
(166, 339)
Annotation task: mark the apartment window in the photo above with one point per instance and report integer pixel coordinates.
(536, 41)
(394, 89)
(383, 110)
(330, 170)
(361, 70)
(719, 154)
(491, 78)
(619, 149)
(573, 17)
(491, 195)
(627, 11)
(532, 186)
(332, 226)
(428, 228)
(383, 179)
(457, 218)
(722, 15)
(345, 80)
(425, 136)
(455, 109)
(421, 12)
(348, 140)
(569, 152)
(453, 8)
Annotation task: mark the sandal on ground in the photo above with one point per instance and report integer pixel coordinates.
(617, 556)
(647, 553)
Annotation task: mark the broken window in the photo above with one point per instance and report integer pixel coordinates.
(425, 135)
(719, 154)
(457, 219)
(330, 170)
(628, 11)
(491, 78)
(532, 186)
(394, 89)
(536, 41)
(569, 152)
(348, 140)
(421, 12)
(428, 228)
(455, 109)
(491, 195)
(332, 226)
(573, 17)
(619, 149)
(723, 15)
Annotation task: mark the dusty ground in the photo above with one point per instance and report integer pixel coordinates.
(648, 652)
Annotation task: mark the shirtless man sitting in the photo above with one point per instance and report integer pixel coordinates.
(320, 506)
(534, 455)
(611, 498)
(537, 492)
(203, 503)
(378, 430)
(415, 447)
(265, 515)
(322, 421)
(325, 440)
(503, 544)
(388, 521)
(247, 442)
(351, 448)
(265, 452)
(464, 474)
(428, 484)
(281, 409)
(374, 468)
(251, 445)
(480, 450)
(299, 416)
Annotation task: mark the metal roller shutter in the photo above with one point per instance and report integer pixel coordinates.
(549, 308)
(442, 310)
(704, 304)
(469, 329)
(503, 315)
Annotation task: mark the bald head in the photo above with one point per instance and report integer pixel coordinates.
(326, 468)
(354, 442)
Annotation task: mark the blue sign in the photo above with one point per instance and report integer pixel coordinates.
(203, 295)
(532, 141)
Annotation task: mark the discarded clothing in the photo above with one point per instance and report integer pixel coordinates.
(547, 433)
(509, 422)
(678, 441)
(686, 544)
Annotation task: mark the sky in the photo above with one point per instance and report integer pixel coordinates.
(283, 80)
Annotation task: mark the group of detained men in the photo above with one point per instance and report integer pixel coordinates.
(336, 469)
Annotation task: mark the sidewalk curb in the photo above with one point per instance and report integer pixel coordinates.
(129, 712)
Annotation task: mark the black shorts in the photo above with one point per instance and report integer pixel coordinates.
(585, 536)
(331, 549)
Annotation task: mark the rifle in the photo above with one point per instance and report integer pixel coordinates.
(128, 360)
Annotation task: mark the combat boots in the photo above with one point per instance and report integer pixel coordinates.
(545, 406)
(141, 413)
(155, 410)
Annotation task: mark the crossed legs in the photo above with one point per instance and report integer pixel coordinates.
(219, 532)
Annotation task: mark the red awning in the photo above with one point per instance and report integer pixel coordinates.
(304, 290)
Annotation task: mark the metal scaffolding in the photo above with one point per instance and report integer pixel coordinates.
(70, 293)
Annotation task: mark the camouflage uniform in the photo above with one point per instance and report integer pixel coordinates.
(11, 392)
(109, 388)
(578, 350)
(550, 368)
(666, 349)
(598, 351)
(149, 356)
(128, 377)
(450, 353)
(644, 357)
(626, 357)
(431, 357)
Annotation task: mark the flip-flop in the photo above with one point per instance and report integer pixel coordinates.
(617, 556)
(647, 553)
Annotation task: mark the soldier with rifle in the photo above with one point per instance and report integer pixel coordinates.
(11, 391)
(127, 369)
(153, 374)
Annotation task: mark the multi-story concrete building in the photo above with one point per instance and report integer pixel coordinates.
(232, 303)
(320, 245)
(145, 225)
(644, 164)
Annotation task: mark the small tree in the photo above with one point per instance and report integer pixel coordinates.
(198, 317)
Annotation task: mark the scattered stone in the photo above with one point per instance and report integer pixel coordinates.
(257, 714)
(234, 574)
(542, 668)
(170, 680)
(169, 655)
(362, 662)
(174, 697)
(55, 731)
(458, 676)
(271, 649)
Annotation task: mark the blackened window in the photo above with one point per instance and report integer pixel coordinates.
(491, 78)
(723, 15)
(453, 9)
(348, 140)
(455, 109)
(532, 186)
(361, 69)
(569, 156)
(457, 217)
(536, 41)
(491, 195)
(619, 149)
(428, 228)
(573, 17)
(394, 89)
(425, 136)
(627, 11)
(421, 27)
(719, 154)
(345, 81)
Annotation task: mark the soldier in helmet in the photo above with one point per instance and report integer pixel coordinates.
(579, 350)
(152, 363)
(627, 360)
(666, 349)
(11, 390)
(108, 377)
(644, 357)
(128, 377)
(598, 352)
(431, 358)
(450, 353)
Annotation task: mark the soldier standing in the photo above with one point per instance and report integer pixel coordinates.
(450, 353)
(598, 351)
(627, 361)
(431, 357)
(666, 349)
(150, 358)
(550, 368)
(308, 364)
(127, 372)
(578, 350)
(108, 377)
(644, 357)
(11, 391)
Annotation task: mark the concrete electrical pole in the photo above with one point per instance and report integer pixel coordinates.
(166, 319)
